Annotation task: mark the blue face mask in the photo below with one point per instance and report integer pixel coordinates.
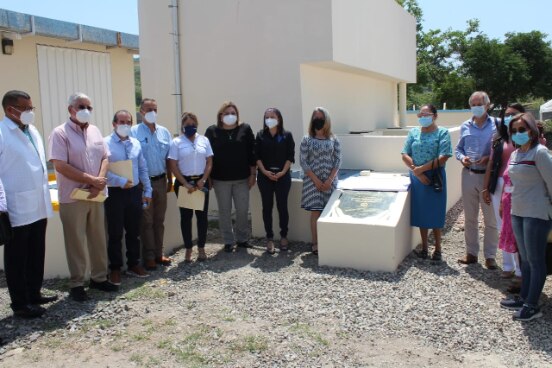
(508, 119)
(189, 130)
(478, 111)
(425, 121)
(520, 138)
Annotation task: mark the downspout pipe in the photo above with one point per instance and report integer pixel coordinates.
(177, 71)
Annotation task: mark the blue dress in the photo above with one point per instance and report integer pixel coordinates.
(427, 207)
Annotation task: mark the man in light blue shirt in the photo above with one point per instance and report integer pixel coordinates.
(126, 198)
(155, 142)
(473, 151)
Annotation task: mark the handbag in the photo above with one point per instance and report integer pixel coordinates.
(5, 228)
(436, 179)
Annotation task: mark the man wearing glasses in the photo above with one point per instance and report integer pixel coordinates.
(79, 155)
(24, 176)
(473, 151)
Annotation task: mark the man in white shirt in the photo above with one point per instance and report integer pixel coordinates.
(24, 175)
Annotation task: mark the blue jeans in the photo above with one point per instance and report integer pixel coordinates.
(531, 237)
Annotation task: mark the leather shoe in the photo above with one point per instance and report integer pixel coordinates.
(150, 265)
(44, 299)
(29, 311)
(490, 263)
(165, 261)
(244, 245)
(468, 259)
(78, 294)
(103, 286)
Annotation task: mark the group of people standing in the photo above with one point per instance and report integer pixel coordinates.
(228, 158)
(507, 172)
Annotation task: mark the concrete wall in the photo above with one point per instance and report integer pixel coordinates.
(290, 54)
(21, 72)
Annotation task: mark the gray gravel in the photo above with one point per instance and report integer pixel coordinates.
(250, 309)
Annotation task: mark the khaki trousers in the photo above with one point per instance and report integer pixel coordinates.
(84, 232)
(153, 222)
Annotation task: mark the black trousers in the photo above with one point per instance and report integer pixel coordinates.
(186, 215)
(24, 262)
(123, 211)
(268, 189)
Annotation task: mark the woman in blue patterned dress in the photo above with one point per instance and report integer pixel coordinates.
(424, 149)
(320, 158)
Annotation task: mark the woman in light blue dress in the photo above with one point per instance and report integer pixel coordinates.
(426, 148)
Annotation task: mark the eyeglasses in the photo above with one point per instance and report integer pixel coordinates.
(519, 130)
(24, 108)
(82, 107)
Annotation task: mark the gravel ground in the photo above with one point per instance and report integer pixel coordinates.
(250, 309)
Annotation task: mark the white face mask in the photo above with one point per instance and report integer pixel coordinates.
(83, 116)
(271, 123)
(229, 119)
(123, 130)
(151, 117)
(27, 117)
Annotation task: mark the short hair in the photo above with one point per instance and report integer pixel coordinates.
(11, 97)
(145, 100)
(120, 112)
(280, 125)
(75, 97)
(483, 94)
(531, 123)
(188, 115)
(517, 106)
(327, 129)
(225, 105)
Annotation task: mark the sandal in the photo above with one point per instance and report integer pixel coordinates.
(202, 256)
(437, 256)
(284, 245)
(270, 247)
(422, 254)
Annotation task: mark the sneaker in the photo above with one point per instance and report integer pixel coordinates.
(527, 313)
(115, 277)
(103, 286)
(514, 303)
(137, 271)
(78, 294)
(228, 248)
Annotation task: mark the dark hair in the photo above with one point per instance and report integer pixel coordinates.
(430, 107)
(531, 123)
(188, 115)
(120, 112)
(11, 97)
(280, 126)
(502, 131)
(146, 100)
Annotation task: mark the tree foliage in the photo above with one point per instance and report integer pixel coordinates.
(451, 64)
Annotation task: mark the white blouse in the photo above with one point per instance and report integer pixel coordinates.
(191, 156)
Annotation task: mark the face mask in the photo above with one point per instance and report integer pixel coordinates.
(151, 117)
(123, 130)
(83, 116)
(425, 121)
(507, 120)
(229, 119)
(520, 138)
(271, 123)
(27, 117)
(189, 130)
(478, 111)
(318, 124)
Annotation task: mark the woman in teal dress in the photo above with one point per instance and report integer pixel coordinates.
(427, 147)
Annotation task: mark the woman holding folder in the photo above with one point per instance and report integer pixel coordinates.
(191, 160)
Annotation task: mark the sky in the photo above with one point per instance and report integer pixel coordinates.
(496, 17)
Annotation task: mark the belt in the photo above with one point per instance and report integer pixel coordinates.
(157, 177)
(475, 171)
(192, 177)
